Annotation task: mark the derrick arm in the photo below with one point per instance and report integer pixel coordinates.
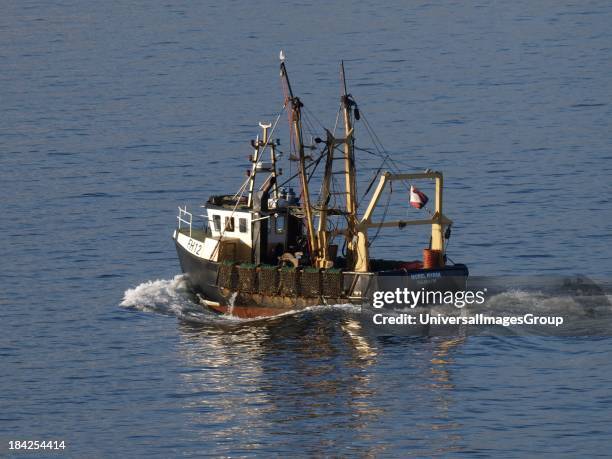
(438, 221)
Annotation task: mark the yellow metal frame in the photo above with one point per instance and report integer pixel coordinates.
(438, 220)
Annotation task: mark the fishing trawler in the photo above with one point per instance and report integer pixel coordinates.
(266, 250)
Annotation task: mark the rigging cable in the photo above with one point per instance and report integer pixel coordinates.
(323, 154)
(371, 241)
(386, 157)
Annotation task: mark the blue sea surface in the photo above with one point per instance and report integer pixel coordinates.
(115, 113)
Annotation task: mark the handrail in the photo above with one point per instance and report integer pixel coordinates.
(183, 213)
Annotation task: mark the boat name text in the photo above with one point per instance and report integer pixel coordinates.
(194, 246)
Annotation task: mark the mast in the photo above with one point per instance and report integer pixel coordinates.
(254, 160)
(259, 148)
(267, 142)
(296, 121)
(349, 179)
(323, 260)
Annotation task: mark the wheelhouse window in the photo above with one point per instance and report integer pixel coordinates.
(217, 222)
(280, 224)
(229, 224)
(242, 225)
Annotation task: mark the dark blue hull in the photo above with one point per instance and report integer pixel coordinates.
(202, 275)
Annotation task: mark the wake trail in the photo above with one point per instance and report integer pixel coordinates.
(174, 297)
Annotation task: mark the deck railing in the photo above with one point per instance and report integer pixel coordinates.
(184, 217)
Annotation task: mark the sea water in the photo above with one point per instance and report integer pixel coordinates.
(115, 114)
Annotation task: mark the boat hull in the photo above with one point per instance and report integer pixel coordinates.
(202, 275)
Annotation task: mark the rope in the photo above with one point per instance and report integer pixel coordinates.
(323, 154)
(386, 157)
(273, 128)
(384, 215)
(381, 149)
(336, 123)
(315, 118)
(243, 187)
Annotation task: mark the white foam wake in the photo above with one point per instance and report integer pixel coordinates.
(169, 296)
(174, 297)
(519, 301)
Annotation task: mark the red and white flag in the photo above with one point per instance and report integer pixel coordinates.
(417, 198)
